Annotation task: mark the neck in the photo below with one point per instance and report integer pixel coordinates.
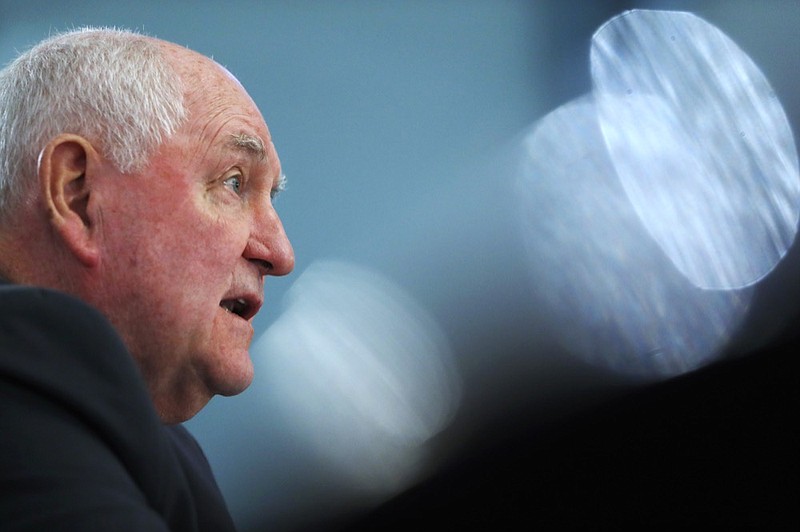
(29, 255)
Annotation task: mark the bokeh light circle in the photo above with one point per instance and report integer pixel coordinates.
(700, 143)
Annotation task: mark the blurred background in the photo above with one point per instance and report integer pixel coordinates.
(423, 320)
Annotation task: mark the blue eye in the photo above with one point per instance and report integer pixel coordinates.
(234, 182)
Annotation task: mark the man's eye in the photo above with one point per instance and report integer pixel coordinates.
(234, 182)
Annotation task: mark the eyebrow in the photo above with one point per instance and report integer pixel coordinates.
(249, 143)
(255, 147)
(279, 187)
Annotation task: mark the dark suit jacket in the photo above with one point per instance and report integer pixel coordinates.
(81, 446)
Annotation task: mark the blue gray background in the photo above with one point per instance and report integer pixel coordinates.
(387, 117)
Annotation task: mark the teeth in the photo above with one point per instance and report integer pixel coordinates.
(235, 306)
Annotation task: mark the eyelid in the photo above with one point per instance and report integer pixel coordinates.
(234, 173)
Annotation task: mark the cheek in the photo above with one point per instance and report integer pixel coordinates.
(217, 243)
(176, 243)
(203, 257)
(201, 231)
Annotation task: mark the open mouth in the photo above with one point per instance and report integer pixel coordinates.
(239, 306)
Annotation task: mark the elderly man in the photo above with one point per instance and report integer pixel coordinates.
(136, 229)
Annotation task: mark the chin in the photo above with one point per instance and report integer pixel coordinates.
(227, 376)
(231, 379)
(234, 388)
(178, 413)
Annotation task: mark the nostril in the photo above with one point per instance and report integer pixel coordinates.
(264, 266)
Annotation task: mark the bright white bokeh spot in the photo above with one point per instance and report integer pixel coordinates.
(700, 143)
(614, 297)
(362, 372)
(652, 206)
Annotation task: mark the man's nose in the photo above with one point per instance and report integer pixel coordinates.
(269, 247)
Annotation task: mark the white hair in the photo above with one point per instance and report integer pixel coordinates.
(113, 87)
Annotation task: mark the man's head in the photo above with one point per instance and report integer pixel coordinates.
(146, 193)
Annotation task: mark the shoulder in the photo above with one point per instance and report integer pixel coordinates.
(79, 432)
(24, 307)
(81, 445)
(212, 510)
(27, 312)
(56, 344)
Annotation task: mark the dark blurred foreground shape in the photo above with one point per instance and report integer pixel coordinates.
(714, 448)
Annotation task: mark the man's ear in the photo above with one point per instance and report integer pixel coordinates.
(67, 167)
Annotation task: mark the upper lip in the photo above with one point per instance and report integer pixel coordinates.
(244, 303)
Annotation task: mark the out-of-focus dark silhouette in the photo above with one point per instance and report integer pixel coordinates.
(716, 447)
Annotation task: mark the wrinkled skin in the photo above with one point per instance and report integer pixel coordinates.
(191, 234)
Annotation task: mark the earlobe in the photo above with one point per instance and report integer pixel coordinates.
(66, 167)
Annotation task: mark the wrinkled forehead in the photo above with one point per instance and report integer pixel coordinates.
(212, 92)
(201, 75)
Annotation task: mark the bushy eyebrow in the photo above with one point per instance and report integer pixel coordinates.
(255, 147)
(250, 144)
(279, 187)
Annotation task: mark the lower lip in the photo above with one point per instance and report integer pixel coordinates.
(237, 319)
